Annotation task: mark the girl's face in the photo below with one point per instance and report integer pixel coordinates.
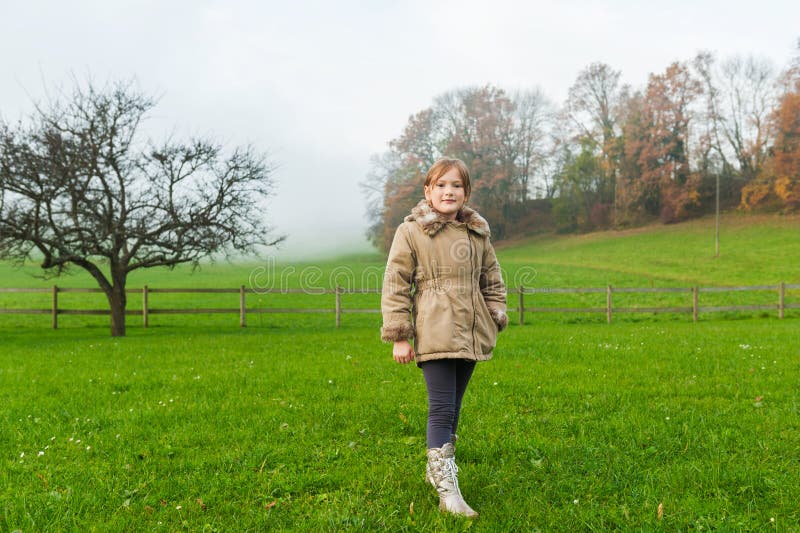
(447, 194)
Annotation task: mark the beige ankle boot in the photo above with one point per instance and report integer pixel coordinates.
(428, 475)
(442, 473)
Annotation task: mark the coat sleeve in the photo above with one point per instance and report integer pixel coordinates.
(493, 288)
(396, 292)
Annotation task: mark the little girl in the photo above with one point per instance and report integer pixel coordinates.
(453, 314)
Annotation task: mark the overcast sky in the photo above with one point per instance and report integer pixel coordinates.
(322, 85)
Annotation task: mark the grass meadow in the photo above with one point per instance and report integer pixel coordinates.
(194, 424)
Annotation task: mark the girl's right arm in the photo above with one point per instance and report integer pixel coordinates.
(396, 296)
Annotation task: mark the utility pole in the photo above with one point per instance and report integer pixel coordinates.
(716, 232)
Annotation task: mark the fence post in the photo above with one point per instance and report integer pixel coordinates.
(242, 307)
(608, 303)
(521, 305)
(338, 306)
(695, 303)
(145, 311)
(55, 307)
(781, 298)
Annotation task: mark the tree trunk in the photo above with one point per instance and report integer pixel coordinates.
(117, 301)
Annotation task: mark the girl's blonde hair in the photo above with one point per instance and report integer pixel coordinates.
(442, 166)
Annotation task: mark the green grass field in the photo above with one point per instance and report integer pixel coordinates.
(291, 424)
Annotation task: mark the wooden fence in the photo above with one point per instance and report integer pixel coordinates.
(54, 310)
(695, 308)
(693, 292)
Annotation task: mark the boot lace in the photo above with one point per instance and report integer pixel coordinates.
(450, 471)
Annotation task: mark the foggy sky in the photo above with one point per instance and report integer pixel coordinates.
(322, 85)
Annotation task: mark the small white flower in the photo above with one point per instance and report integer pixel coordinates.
(179, 507)
(41, 453)
(575, 501)
(22, 455)
(88, 448)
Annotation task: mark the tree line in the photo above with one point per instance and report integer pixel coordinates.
(612, 155)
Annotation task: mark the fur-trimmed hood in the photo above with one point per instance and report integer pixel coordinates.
(432, 221)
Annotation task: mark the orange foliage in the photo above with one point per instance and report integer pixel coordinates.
(779, 182)
(787, 151)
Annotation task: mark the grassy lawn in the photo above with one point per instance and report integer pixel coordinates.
(650, 423)
(584, 426)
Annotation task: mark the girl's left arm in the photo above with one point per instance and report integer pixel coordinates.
(493, 288)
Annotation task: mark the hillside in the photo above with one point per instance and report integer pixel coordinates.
(754, 250)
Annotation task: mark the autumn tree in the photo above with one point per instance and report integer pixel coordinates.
(786, 168)
(500, 137)
(659, 139)
(779, 179)
(630, 195)
(480, 132)
(81, 187)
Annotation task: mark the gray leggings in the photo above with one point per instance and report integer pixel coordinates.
(446, 379)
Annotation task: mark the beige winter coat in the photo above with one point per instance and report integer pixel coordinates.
(443, 286)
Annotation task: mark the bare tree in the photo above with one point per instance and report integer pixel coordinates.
(533, 114)
(741, 94)
(592, 110)
(592, 103)
(80, 187)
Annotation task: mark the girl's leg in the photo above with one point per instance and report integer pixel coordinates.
(464, 369)
(440, 379)
(446, 380)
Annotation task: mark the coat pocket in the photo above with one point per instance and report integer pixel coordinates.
(435, 324)
(486, 329)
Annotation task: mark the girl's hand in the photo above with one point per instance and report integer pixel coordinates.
(403, 352)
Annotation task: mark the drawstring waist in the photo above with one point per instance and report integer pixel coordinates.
(441, 285)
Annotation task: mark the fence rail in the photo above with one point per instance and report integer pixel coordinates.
(694, 308)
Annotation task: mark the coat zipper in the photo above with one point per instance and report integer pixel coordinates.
(472, 294)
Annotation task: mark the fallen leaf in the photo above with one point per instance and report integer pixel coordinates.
(411, 509)
(403, 418)
(271, 504)
(661, 510)
(44, 481)
(201, 504)
(148, 509)
(163, 502)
